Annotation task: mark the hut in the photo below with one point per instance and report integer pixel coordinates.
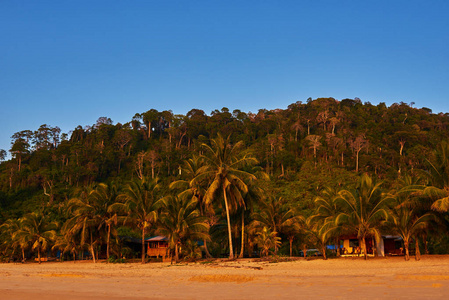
(158, 247)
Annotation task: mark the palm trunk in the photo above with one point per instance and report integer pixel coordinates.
(176, 253)
(39, 254)
(143, 245)
(108, 241)
(323, 250)
(206, 250)
(417, 252)
(242, 249)
(305, 252)
(92, 251)
(23, 255)
(291, 244)
(407, 255)
(231, 251)
(364, 248)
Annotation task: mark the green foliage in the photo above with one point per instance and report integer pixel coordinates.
(305, 149)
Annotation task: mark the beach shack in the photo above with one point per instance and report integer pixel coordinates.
(350, 245)
(158, 247)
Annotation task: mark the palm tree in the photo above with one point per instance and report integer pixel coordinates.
(407, 224)
(181, 221)
(105, 196)
(191, 188)
(327, 210)
(66, 242)
(254, 195)
(276, 215)
(9, 238)
(266, 240)
(37, 231)
(89, 213)
(439, 177)
(363, 210)
(224, 163)
(319, 233)
(141, 205)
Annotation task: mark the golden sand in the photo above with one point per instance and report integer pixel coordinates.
(391, 278)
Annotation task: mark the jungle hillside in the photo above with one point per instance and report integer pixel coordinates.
(229, 183)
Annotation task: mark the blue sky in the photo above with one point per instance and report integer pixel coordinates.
(66, 63)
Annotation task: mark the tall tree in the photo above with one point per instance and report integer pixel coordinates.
(408, 225)
(225, 163)
(181, 221)
(275, 214)
(104, 197)
(38, 231)
(142, 206)
(438, 173)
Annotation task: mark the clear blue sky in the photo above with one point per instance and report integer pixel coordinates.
(66, 63)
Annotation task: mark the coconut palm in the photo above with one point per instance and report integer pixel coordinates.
(408, 225)
(181, 221)
(191, 188)
(363, 210)
(438, 174)
(141, 205)
(68, 240)
(254, 195)
(327, 210)
(224, 168)
(9, 239)
(275, 214)
(89, 217)
(38, 231)
(105, 196)
(267, 240)
(319, 232)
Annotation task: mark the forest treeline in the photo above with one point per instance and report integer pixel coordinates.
(275, 180)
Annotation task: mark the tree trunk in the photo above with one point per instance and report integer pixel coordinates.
(305, 252)
(143, 245)
(23, 255)
(206, 249)
(39, 254)
(92, 251)
(337, 247)
(323, 251)
(417, 252)
(291, 246)
(176, 253)
(242, 249)
(108, 242)
(231, 252)
(407, 255)
(364, 248)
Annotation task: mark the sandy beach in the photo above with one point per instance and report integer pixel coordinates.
(342, 278)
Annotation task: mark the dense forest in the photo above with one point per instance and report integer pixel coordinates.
(244, 184)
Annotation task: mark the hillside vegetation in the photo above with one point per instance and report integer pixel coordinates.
(275, 181)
